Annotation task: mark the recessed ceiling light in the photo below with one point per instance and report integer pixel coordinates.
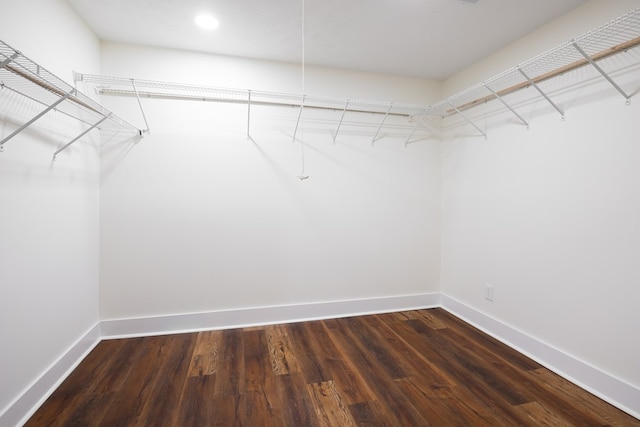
(207, 22)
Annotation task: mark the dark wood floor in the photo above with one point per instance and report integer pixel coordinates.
(417, 368)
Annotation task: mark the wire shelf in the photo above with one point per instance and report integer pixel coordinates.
(23, 76)
(617, 36)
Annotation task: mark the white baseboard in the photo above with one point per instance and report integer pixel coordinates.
(610, 389)
(23, 407)
(239, 318)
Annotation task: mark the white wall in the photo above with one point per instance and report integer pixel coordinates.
(196, 217)
(551, 217)
(49, 227)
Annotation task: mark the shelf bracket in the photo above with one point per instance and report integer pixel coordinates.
(8, 60)
(381, 123)
(467, 120)
(541, 92)
(601, 71)
(415, 128)
(341, 119)
(295, 131)
(95, 125)
(499, 98)
(249, 114)
(144, 117)
(40, 114)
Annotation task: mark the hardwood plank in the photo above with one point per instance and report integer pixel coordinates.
(306, 351)
(281, 354)
(259, 398)
(170, 377)
(396, 405)
(541, 416)
(194, 408)
(230, 365)
(297, 409)
(369, 338)
(371, 414)
(205, 354)
(345, 374)
(329, 406)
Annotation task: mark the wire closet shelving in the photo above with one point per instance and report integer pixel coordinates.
(23, 76)
(617, 36)
(120, 86)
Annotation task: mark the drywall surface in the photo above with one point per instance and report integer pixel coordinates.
(582, 19)
(550, 217)
(198, 217)
(49, 228)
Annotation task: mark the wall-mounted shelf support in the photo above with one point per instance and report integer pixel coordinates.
(415, 128)
(295, 131)
(467, 119)
(37, 116)
(346, 105)
(541, 92)
(601, 71)
(499, 98)
(144, 117)
(249, 115)
(95, 125)
(373, 140)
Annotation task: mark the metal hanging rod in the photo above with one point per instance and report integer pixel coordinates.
(107, 85)
(29, 79)
(615, 37)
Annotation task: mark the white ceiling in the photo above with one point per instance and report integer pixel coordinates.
(425, 38)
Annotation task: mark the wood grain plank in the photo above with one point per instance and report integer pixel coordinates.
(297, 409)
(205, 354)
(281, 354)
(371, 414)
(306, 351)
(259, 402)
(541, 416)
(396, 405)
(329, 406)
(230, 365)
(170, 377)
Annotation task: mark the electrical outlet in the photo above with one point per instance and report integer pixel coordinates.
(488, 292)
